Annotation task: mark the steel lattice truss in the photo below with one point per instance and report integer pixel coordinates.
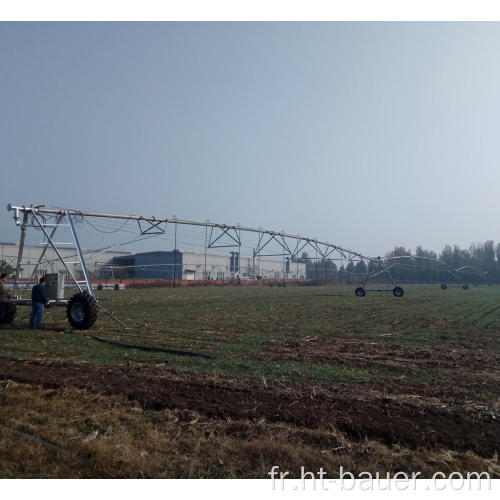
(269, 243)
(221, 235)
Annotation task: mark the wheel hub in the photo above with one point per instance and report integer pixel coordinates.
(77, 312)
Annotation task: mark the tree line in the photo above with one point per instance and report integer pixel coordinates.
(478, 264)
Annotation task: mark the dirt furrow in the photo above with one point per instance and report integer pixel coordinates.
(356, 412)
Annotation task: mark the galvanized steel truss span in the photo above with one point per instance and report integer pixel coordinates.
(269, 243)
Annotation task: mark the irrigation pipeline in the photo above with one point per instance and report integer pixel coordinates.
(156, 221)
(154, 229)
(153, 349)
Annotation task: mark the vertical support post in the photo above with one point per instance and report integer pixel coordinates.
(20, 252)
(283, 267)
(316, 267)
(239, 254)
(341, 270)
(175, 248)
(205, 267)
(253, 264)
(386, 267)
(86, 275)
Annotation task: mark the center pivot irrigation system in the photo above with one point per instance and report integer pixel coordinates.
(82, 307)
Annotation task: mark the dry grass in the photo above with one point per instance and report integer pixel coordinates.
(110, 436)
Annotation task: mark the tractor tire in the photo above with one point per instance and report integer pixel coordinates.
(10, 312)
(360, 292)
(444, 286)
(398, 292)
(465, 287)
(81, 311)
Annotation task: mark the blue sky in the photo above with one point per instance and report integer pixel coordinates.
(369, 135)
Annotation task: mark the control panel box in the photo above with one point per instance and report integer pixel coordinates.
(54, 284)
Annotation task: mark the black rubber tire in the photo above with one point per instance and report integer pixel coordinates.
(99, 287)
(10, 312)
(398, 292)
(360, 292)
(465, 287)
(444, 286)
(81, 311)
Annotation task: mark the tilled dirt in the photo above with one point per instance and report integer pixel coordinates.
(361, 412)
(369, 354)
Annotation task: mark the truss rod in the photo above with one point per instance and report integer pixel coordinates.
(58, 253)
(54, 211)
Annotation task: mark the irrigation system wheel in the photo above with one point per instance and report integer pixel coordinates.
(360, 292)
(465, 287)
(444, 286)
(81, 311)
(10, 312)
(398, 291)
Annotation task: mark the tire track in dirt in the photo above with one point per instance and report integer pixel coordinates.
(357, 412)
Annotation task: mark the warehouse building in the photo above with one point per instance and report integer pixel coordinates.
(186, 265)
(189, 265)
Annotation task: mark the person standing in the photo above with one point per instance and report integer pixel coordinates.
(4, 296)
(38, 301)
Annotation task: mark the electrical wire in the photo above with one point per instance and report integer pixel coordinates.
(106, 232)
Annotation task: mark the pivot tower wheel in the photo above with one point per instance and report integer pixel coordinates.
(360, 292)
(465, 287)
(10, 312)
(81, 311)
(398, 292)
(444, 286)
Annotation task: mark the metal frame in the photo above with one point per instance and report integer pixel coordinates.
(290, 245)
(237, 229)
(216, 236)
(40, 223)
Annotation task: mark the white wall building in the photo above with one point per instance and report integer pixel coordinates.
(218, 266)
(225, 266)
(51, 263)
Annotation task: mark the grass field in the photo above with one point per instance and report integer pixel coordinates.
(310, 376)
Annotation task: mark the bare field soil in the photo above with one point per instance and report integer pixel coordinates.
(312, 377)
